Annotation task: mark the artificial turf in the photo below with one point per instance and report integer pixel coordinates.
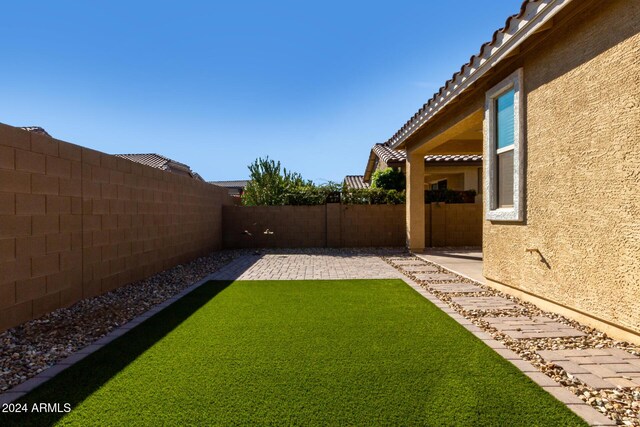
(344, 352)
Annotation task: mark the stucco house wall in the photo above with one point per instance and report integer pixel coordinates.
(582, 204)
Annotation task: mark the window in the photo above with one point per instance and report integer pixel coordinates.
(440, 185)
(504, 147)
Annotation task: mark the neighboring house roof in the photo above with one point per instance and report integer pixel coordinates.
(36, 129)
(398, 157)
(355, 181)
(235, 188)
(161, 162)
(533, 16)
(389, 155)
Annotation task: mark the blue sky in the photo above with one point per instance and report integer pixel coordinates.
(217, 84)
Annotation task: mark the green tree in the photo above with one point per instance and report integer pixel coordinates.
(389, 179)
(270, 183)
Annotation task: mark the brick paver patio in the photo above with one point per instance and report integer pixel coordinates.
(599, 368)
(536, 327)
(307, 267)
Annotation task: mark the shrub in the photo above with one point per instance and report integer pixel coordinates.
(270, 183)
(389, 179)
(372, 196)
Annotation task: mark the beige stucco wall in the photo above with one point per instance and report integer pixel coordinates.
(582, 88)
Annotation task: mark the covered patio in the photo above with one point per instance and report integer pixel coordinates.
(463, 262)
(460, 134)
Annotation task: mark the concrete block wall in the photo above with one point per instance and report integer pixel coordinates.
(274, 226)
(331, 225)
(75, 223)
(453, 225)
(372, 225)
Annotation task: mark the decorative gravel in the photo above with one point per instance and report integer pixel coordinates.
(620, 404)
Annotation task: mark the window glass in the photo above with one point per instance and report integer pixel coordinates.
(505, 179)
(505, 120)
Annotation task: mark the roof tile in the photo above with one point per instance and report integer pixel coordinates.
(355, 181)
(528, 10)
(389, 155)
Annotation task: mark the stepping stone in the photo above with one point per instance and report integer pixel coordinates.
(536, 327)
(599, 368)
(404, 262)
(456, 287)
(485, 303)
(420, 269)
(428, 277)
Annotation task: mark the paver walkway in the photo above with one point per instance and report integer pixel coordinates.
(600, 368)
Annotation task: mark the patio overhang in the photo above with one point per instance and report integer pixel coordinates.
(459, 133)
(452, 121)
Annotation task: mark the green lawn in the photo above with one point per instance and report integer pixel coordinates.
(356, 352)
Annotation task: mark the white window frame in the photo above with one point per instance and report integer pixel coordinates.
(514, 213)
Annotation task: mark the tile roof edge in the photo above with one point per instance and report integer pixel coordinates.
(477, 65)
(165, 158)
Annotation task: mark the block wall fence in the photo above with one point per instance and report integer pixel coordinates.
(453, 225)
(332, 225)
(75, 223)
(335, 225)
